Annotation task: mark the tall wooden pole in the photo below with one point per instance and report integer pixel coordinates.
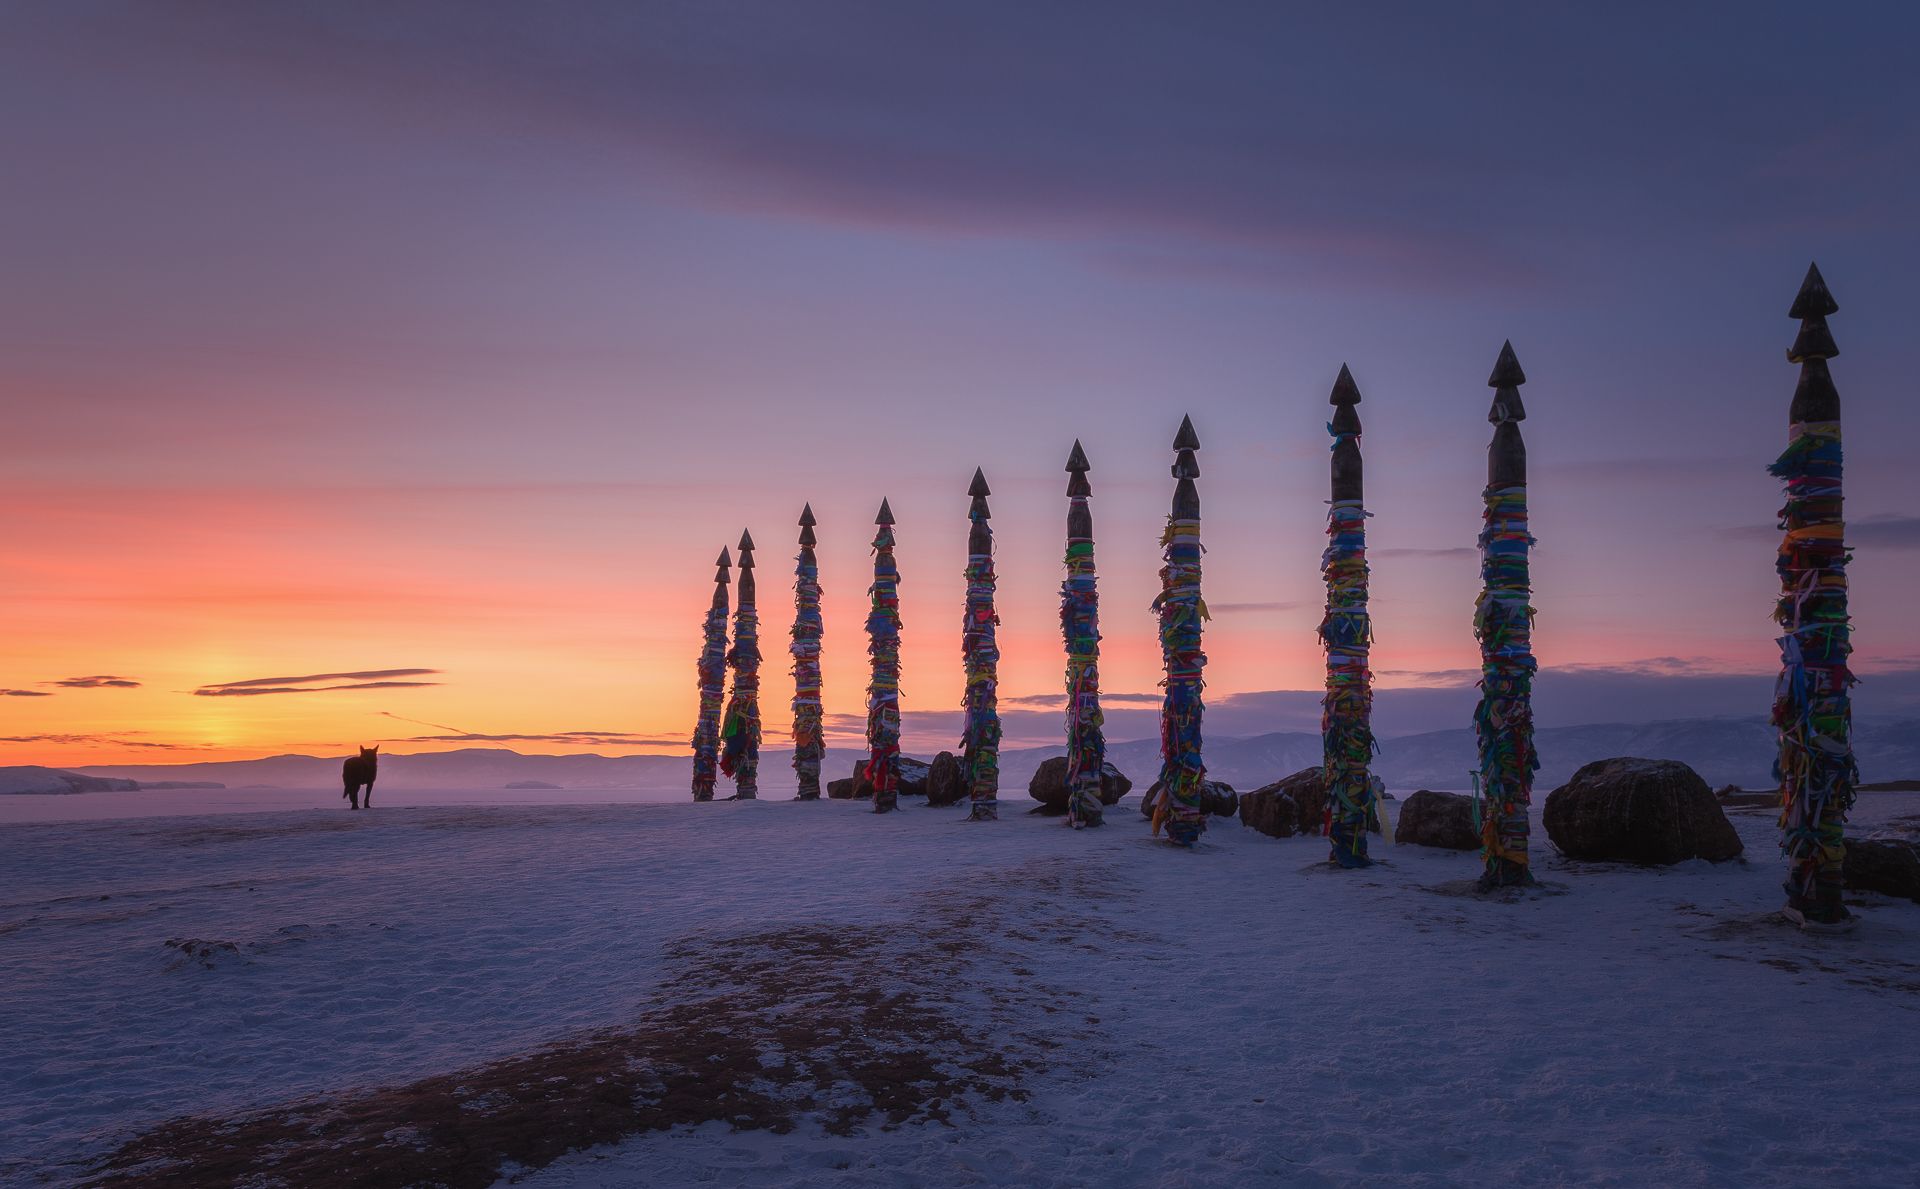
(1181, 610)
(1812, 707)
(712, 673)
(740, 729)
(883, 691)
(1080, 626)
(809, 740)
(1346, 722)
(1503, 622)
(980, 738)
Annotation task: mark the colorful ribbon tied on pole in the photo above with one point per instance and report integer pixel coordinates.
(712, 673)
(1503, 623)
(1812, 704)
(980, 653)
(883, 690)
(1182, 612)
(809, 739)
(1080, 626)
(740, 729)
(1346, 632)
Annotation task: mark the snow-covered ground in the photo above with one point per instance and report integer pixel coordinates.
(1057, 1008)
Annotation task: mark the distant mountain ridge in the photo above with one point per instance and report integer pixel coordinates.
(1723, 750)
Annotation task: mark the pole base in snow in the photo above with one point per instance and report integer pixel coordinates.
(1504, 873)
(1820, 913)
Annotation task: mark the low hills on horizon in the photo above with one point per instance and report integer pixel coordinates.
(1736, 751)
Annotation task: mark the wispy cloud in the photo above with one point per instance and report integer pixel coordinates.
(1455, 551)
(306, 679)
(1243, 608)
(363, 679)
(1886, 531)
(1880, 530)
(107, 740)
(24, 693)
(570, 738)
(219, 692)
(1034, 700)
(1059, 700)
(104, 681)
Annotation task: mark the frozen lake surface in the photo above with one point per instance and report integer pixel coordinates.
(1083, 1009)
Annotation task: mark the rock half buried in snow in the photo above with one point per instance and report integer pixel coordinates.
(913, 781)
(1216, 797)
(1630, 810)
(1295, 804)
(1444, 820)
(1890, 866)
(1049, 785)
(945, 785)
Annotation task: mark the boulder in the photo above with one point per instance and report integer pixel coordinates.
(913, 777)
(1444, 820)
(842, 790)
(913, 781)
(1890, 866)
(946, 785)
(1216, 797)
(1296, 804)
(1630, 810)
(1049, 785)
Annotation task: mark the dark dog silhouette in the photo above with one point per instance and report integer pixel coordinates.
(358, 771)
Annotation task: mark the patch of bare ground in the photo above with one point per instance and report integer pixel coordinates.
(845, 1025)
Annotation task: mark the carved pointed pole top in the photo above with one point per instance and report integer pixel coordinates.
(746, 551)
(1812, 305)
(1345, 391)
(1185, 465)
(724, 561)
(1506, 369)
(1507, 454)
(1816, 399)
(806, 527)
(1186, 468)
(1813, 300)
(886, 513)
(979, 487)
(806, 517)
(1345, 395)
(1505, 381)
(1077, 468)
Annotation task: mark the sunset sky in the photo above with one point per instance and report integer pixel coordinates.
(393, 371)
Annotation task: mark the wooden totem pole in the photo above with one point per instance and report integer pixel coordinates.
(1503, 623)
(809, 740)
(712, 672)
(980, 653)
(740, 729)
(1182, 612)
(1080, 627)
(1812, 706)
(883, 690)
(1346, 721)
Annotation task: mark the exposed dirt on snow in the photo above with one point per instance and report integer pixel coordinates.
(846, 1026)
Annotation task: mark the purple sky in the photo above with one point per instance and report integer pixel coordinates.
(561, 296)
